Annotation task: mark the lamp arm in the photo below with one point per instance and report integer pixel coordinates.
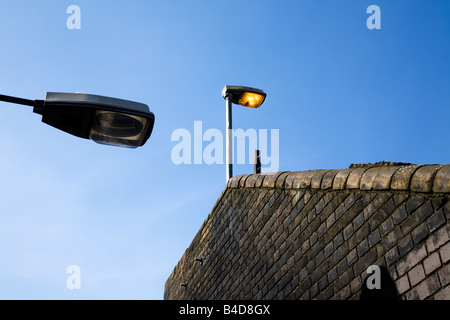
(37, 104)
(26, 102)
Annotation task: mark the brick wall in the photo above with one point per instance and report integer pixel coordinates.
(314, 234)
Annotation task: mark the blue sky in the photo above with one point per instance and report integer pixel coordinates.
(338, 92)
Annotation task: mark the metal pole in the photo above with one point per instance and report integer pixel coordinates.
(257, 162)
(229, 139)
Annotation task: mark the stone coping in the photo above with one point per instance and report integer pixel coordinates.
(412, 178)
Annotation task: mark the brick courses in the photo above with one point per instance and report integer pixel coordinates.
(313, 234)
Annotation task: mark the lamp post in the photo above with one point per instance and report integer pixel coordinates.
(105, 120)
(244, 96)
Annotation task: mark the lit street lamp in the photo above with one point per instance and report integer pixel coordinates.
(105, 120)
(244, 96)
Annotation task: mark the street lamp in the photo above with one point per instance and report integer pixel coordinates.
(105, 120)
(244, 96)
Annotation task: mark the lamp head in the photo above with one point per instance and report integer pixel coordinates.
(105, 120)
(244, 96)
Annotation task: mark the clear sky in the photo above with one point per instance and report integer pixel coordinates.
(338, 92)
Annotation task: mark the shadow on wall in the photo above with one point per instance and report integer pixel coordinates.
(387, 288)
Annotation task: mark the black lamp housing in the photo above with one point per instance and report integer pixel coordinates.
(102, 119)
(244, 96)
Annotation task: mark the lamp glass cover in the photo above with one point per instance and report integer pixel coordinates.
(250, 99)
(118, 129)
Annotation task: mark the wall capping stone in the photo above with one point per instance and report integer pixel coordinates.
(415, 178)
